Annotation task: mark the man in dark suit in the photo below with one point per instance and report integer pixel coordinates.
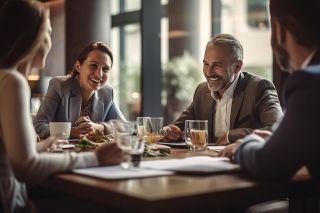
(233, 102)
(295, 143)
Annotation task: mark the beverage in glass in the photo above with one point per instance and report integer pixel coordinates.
(141, 129)
(153, 131)
(196, 134)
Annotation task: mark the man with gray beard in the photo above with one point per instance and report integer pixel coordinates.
(233, 102)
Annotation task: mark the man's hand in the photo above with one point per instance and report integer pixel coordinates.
(262, 133)
(172, 133)
(230, 149)
(223, 140)
(110, 154)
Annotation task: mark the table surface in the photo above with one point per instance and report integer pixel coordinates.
(178, 192)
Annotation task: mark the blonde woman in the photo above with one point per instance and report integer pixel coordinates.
(25, 42)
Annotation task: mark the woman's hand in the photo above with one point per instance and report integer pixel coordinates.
(50, 144)
(85, 126)
(110, 154)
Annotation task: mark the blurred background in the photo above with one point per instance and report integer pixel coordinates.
(158, 46)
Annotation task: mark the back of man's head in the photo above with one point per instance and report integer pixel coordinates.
(300, 17)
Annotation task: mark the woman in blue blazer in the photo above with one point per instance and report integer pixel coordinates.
(82, 97)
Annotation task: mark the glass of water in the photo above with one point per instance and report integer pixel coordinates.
(134, 146)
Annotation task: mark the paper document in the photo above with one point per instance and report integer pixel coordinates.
(117, 172)
(193, 165)
(216, 148)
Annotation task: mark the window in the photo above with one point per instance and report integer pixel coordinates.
(258, 14)
(250, 25)
(186, 26)
(126, 46)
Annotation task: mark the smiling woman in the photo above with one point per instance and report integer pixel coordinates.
(83, 97)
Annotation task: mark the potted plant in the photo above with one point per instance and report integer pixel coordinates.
(180, 77)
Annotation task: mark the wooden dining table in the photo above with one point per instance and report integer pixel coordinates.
(179, 193)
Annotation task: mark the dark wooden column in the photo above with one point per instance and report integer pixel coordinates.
(183, 27)
(55, 64)
(86, 21)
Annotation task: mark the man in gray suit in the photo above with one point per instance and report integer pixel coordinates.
(233, 102)
(83, 97)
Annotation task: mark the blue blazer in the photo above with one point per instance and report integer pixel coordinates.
(63, 103)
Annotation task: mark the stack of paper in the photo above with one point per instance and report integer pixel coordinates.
(117, 172)
(193, 165)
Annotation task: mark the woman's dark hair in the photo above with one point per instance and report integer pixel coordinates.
(21, 22)
(90, 47)
(301, 18)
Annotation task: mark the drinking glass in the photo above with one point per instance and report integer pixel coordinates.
(120, 126)
(134, 146)
(196, 134)
(141, 129)
(153, 129)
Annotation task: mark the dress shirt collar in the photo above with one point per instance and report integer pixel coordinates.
(307, 60)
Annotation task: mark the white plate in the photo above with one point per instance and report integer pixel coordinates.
(181, 144)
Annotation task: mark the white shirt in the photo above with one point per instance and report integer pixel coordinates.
(307, 60)
(223, 109)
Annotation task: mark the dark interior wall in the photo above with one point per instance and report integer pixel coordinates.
(1, 2)
(86, 21)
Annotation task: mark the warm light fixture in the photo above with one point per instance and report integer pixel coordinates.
(135, 95)
(177, 33)
(33, 77)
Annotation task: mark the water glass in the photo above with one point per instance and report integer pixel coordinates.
(134, 146)
(120, 126)
(196, 134)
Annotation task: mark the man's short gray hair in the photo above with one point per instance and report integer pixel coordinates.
(230, 42)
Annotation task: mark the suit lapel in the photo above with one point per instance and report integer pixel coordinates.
(97, 108)
(75, 101)
(237, 100)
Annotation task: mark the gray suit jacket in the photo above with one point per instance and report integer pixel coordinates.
(63, 103)
(255, 105)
